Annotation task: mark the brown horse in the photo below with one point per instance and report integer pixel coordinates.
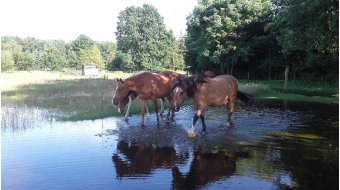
(210, 74)
(205, 91)
(130, 100)
(147, 86)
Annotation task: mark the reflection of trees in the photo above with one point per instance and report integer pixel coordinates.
(313, 163)
(262, 162)
(205, 167)
(140, 159)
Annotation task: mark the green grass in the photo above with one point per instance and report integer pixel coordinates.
(81, 98)
(297, 90)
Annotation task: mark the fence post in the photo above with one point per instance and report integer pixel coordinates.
(102, 101)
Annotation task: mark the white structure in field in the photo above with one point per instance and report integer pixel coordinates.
(90, 70)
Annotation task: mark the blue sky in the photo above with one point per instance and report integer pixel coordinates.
(67, 19)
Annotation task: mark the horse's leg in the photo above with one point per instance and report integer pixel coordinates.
(168, 115)
(172, 110)
(230, 107)
(147, 109)
(128, 109)
(199, 114)
(203, 123)
(155, 106)
(172, 113)
(162, 106)
(142, 109)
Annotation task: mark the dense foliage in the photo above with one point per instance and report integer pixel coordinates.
(256, 39)
(33, 54)
(264, 37)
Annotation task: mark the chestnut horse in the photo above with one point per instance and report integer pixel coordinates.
(210, 74)
(147, 86)
(130, 100)
(205, 91)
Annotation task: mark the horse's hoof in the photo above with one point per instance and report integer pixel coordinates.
(191, 135)
(230, 125)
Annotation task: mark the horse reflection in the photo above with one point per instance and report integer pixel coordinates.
(135, 160)
(205, 168)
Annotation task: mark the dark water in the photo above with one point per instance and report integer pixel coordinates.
(274, 145)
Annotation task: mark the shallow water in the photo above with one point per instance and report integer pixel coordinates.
(274, 145)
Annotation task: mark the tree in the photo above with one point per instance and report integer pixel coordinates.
(108, 51)
(309, 32)
(53, 58)
(7, 61)
(82, 42)
(124, 62)
(176, 61)
(23, 61)
(9, 50)
(32, 44)
(142, 34)
(91, 56)
(219, 33)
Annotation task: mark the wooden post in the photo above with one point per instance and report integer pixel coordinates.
(286, 78)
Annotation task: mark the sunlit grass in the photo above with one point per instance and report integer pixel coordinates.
(297, 90)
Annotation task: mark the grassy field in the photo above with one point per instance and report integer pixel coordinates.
(297, 90)
(80, 97)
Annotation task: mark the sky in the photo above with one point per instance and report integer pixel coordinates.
(67, 19)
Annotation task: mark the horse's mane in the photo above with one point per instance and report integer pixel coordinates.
(190, 84)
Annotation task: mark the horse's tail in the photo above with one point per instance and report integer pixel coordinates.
(244, 97)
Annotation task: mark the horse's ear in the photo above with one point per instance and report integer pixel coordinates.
(200, 80)
(120, 80)
(181, 77)
(117, 80)
(183, 83)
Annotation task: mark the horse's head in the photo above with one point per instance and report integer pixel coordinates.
(179, 94)
(122, 104)
(210, 74)
(121, 92)
(185, 88)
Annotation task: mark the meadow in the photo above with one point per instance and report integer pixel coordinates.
(76, 97)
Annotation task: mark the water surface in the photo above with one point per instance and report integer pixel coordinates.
(274, 145)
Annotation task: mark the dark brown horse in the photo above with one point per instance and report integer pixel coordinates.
(205, 91)
(129, 101)
(147, 86)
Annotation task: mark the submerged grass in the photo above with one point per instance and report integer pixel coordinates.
(81, 98)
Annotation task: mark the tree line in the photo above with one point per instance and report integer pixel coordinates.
(268, 37)
(265, 38)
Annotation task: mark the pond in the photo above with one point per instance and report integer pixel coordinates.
(274, 145)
